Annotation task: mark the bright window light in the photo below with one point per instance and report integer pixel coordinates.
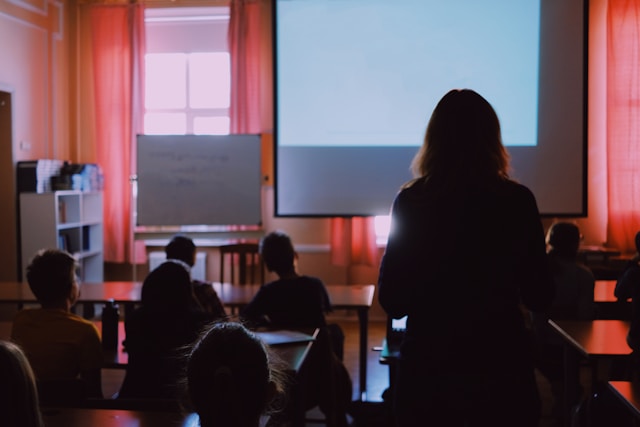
(165, 123)
(382, 224)
(166, 80)
(209, 80)
(211, 125)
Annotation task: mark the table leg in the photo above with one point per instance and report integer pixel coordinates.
(363, 317)
(571, 383)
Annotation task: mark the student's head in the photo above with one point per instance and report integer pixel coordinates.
(167, 286)
(181, 247)
(563, 239)
(277, 252)
(18, 393)
(52, 276)
(462, 140)
(230, 381)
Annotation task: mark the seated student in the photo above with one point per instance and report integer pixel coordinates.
(293, 301)
(296, 301)
(230, 379)
(628, 286)
(574, 299)
(59, 344)
(182, 250)
(18, 393)
(156, 332)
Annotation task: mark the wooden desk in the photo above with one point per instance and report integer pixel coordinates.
(92, 293)
(65, 417)
(608, 305)
(349, 297)
(629, 395)
(127, 294)
(593, 340)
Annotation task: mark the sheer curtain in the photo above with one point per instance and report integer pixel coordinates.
(623, 122)
(353, 241)
(244, 50)
(117, 34)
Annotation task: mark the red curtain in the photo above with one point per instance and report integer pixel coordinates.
(118, 67)
(244, 49)
(353, 241)
(623, 122)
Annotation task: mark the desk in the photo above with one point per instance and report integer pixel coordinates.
(629, 394)
(291, 347)
(608, 305)
(65, 417)
(90, 293)
(127, 294)
(593, 340)
(349, 297)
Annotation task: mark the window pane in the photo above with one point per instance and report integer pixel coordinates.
(209, 80)
(382, 225)
(165, 123)
(211, 125)
(165, 80)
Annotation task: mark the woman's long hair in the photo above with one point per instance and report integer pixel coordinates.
(229, 376)
(462, 141)
(18, 392)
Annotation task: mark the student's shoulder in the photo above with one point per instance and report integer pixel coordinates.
(311, 281)
(81, 323)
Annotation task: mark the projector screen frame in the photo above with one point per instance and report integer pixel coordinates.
(580, 212)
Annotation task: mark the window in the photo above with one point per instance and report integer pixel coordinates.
(382, 225)
(187, 71)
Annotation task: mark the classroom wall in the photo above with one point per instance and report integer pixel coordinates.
(34, 72)
(40, 57)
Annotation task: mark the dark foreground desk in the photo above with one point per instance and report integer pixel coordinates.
(127, 294)
(290, 346)
(591, 340)
(629, 394)
(70, 417)
(608, 305)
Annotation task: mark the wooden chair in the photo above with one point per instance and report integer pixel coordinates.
(244, 264)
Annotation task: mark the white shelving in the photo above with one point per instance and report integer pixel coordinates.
(70, 220)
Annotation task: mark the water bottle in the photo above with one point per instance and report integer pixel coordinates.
(110, 318)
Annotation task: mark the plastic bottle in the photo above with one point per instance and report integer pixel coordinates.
(110, 318)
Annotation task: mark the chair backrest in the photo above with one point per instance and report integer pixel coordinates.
(70, 392)
(243, 262)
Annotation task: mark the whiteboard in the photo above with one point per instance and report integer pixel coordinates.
(198, 180)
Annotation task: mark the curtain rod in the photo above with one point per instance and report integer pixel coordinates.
(158, 3)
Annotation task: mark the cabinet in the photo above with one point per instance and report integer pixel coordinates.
(69, 220)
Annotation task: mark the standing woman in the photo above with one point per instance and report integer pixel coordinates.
(466, 252)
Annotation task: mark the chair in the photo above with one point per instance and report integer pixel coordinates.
(244, 262)
(71, 392)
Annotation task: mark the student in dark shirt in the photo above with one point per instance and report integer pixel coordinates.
(296, 301)
(574, 288)
(182, 250)
(158, 332)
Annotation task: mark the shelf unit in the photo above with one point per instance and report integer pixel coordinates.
(69, 220)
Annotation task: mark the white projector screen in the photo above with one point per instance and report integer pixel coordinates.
(356, 82)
